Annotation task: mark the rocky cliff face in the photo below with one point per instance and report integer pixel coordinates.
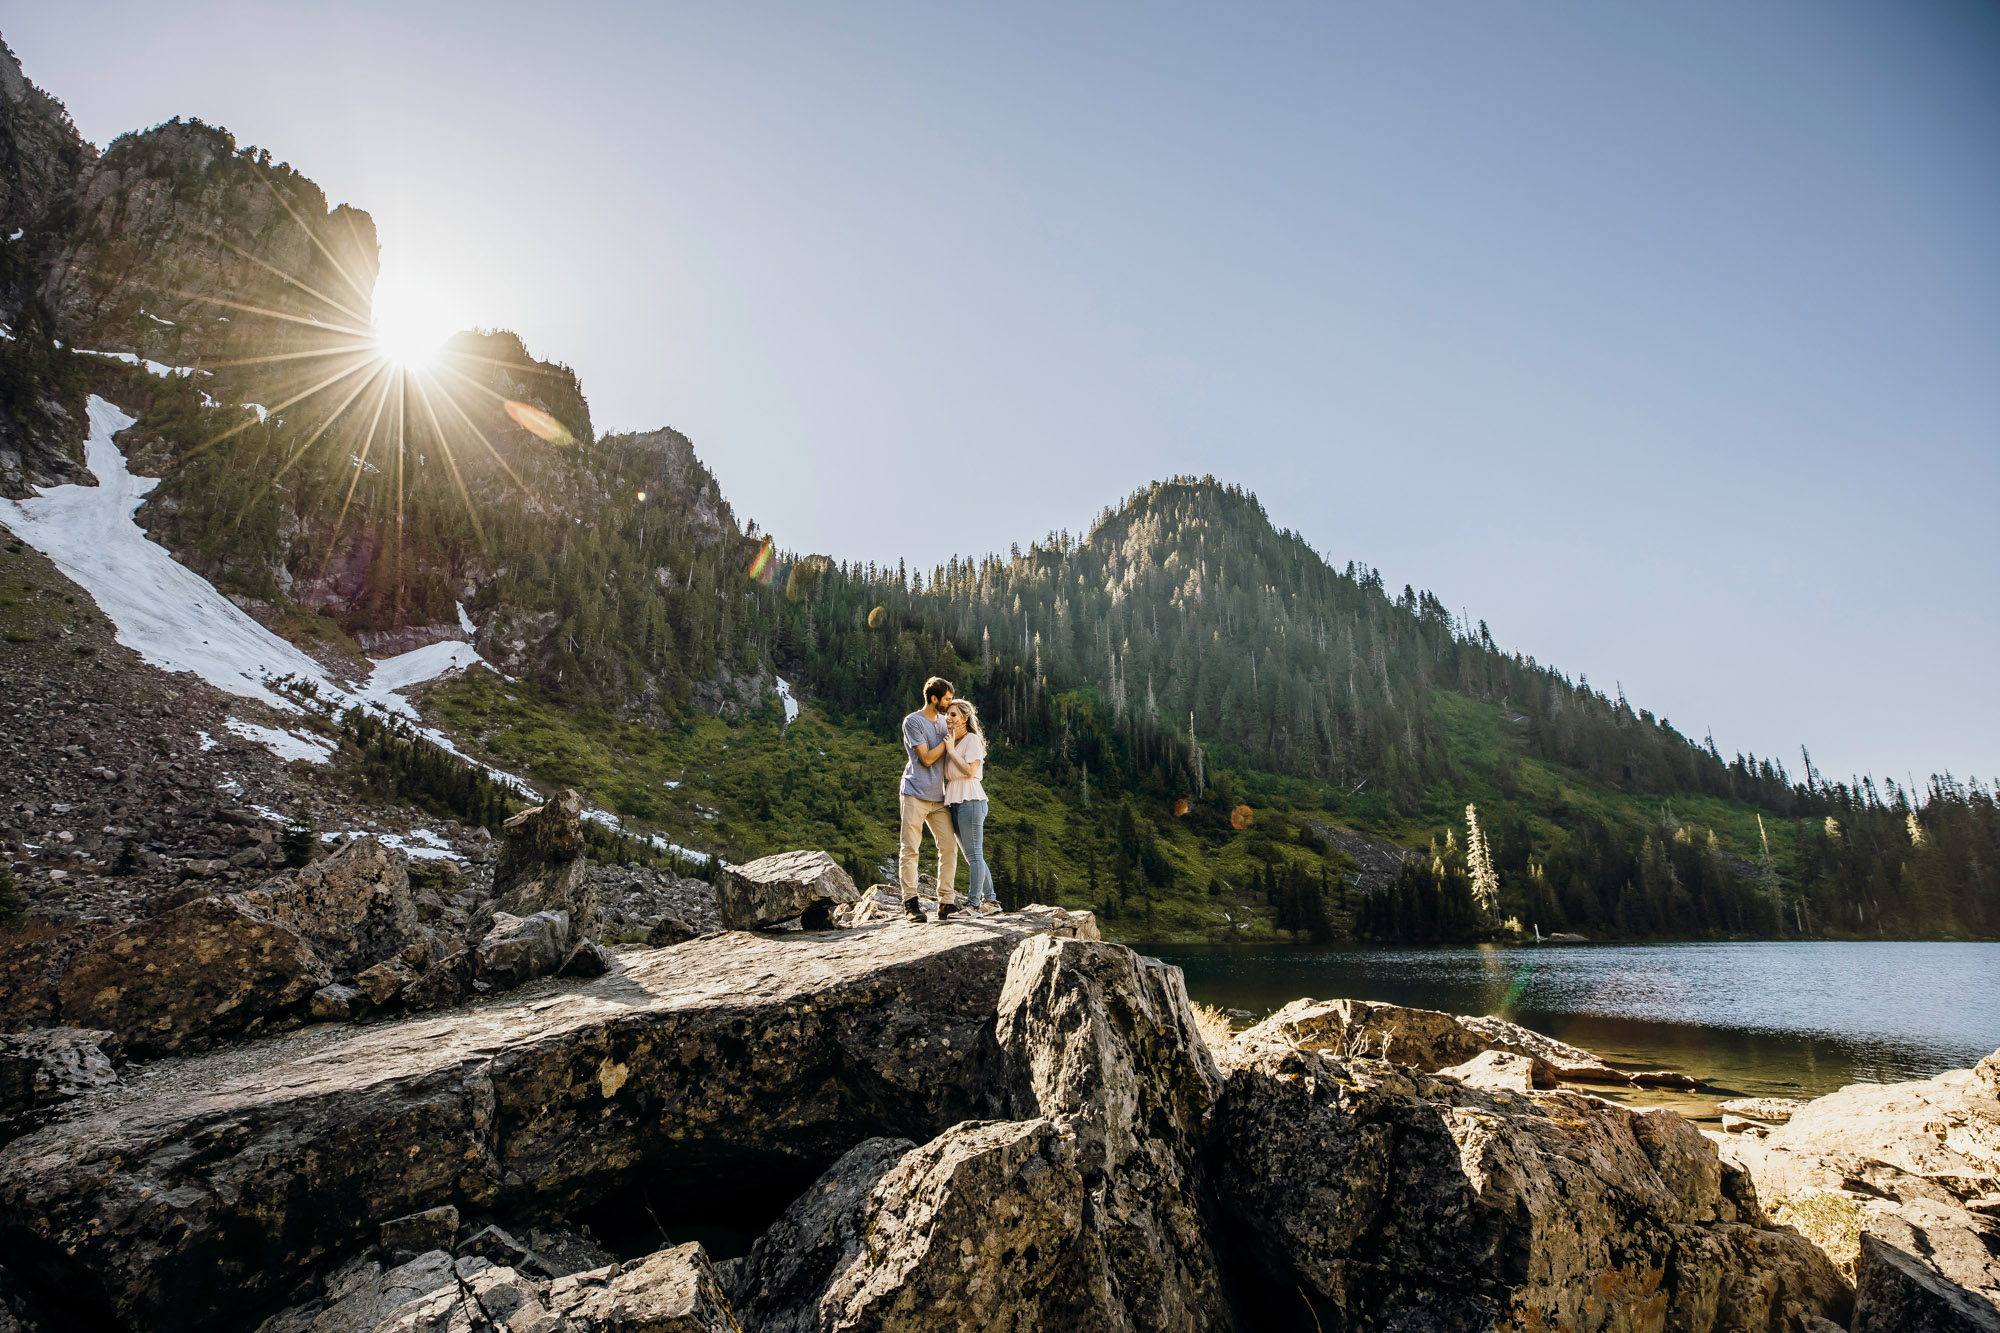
(174, 246)
(42, 158)
(42, 161)
(188, 250)
(683, 479)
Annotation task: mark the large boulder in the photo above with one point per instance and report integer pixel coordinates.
(196, 1196)
(1088, 1211)
(979, 1228)
(542, 867)
(30, 975)
(787, 1284)
(220, 966)
(354, 907)
(1103, 1043)
(783, 887)
(1895, 1292)
(1503, 1071)
(519, 949)
(1385, 1198)
(1910, 1165)
(669, 1291)
(181, 980)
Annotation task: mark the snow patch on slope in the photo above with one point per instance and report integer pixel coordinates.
(420, 845)
(285, 744)
(169, 615)
(785, 697)
(616, 825)
(414, 668)
(177, 621)
(152, 367)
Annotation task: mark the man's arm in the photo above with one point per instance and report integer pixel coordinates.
(913, 741)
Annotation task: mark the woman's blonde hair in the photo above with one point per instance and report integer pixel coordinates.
(971, 712)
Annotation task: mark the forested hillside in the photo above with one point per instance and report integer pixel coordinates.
(1185, 645)
(1202, 726)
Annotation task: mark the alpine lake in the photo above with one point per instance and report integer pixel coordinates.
(1769, 1018)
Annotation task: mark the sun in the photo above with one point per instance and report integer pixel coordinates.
(410, 325)
(408, 347)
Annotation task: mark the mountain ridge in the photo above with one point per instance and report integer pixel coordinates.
(1140, 678)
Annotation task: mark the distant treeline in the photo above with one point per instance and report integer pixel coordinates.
(1879, 868)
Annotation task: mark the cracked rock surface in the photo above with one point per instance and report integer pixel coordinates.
(217, 1182)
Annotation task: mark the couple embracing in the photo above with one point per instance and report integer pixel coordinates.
(941, 791)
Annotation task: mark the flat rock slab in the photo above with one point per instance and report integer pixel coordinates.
(1766, 1110)
(215, 1183)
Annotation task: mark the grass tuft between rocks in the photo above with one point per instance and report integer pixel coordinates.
(1827, 1218)
(1213, 1025)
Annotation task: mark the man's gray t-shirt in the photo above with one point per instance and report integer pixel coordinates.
(923, 781)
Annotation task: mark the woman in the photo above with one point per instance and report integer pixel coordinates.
(965, 798)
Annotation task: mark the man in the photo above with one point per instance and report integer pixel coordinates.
(922, 800)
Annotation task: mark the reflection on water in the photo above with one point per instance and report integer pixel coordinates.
(1759, 1018)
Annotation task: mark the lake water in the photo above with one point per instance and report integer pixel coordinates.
(1763, 1018)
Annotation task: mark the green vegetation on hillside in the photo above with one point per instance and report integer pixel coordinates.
(1567, 854)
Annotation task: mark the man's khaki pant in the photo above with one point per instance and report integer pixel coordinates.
(916, 814)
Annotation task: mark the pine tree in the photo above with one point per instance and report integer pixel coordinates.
(13, 900)
(1479, 866)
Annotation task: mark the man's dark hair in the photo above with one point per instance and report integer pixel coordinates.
(936, 688)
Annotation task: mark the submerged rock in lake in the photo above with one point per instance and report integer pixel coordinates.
(1426, 1039)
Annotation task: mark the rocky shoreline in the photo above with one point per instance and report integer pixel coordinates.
(1005, 1123)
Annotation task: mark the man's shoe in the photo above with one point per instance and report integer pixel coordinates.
(946, 910)
(913, 910)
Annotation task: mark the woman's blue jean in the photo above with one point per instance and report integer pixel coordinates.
(968, 819)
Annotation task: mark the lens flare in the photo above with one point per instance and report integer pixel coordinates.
(761, 564)
(1180, 807)
(642, 497)
(878, 617)
(1240, 817)
(538, 423)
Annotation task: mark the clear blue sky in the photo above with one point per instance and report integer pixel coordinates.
(1666, 338)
